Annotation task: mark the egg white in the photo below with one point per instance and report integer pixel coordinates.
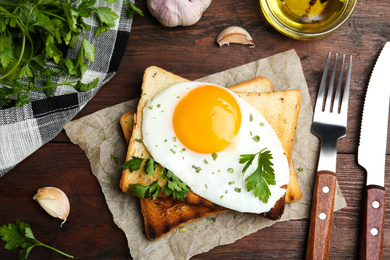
(221, 180)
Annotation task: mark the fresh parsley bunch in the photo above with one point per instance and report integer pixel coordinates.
(20, 235)
(34, 32)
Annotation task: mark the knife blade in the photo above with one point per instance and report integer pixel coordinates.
(372, 155)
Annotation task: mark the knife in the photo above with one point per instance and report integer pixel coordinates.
(372, 155)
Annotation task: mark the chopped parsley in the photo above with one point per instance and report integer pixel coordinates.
(182, 229)
(256, 138)
(250, 118)
(197, 168)
(231, 170)
(138, 140)
(215, 156)
(114, 157)
(209, 220)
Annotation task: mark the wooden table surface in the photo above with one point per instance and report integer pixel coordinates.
(192, 52)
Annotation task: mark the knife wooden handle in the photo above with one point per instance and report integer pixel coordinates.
(371, 245)
(321, 216)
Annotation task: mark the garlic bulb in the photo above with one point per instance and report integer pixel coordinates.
(234, 34)
(54, 201)
(171, 13)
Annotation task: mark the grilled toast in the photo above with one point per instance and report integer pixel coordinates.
(281, 110)
(163, 215)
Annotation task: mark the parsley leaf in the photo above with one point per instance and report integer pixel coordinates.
(150, 191)
(262, 177)
(174, 186)
(20, 235)
(133, 164)
(131, 8)
(150, 166)
(106, 18)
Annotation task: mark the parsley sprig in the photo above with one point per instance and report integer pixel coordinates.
(174, 185)
(34, 32)
(262, 177)
(20, 235)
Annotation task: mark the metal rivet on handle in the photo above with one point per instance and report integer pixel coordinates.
(375, 204)
(322, 216)
(374, 231)
(325, 189)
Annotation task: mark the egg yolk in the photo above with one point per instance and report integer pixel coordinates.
(207, 119)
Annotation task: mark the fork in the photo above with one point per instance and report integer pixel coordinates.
(329, 124)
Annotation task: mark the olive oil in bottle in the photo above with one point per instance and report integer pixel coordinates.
(307, 15)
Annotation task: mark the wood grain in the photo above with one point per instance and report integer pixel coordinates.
(371, 246)
(192, 52)
(321, 216)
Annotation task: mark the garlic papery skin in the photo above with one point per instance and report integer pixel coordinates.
(171, 13)
(234, 34)
(54, 201)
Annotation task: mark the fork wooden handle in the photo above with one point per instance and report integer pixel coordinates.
(321, 216)
(371, 244)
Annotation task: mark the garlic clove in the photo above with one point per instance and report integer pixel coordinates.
(54, 201)
(171, 13)
(234, 34)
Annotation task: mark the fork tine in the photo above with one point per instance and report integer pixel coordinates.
(338, 89)
(328, 100)
(321, 91)
(344, 103)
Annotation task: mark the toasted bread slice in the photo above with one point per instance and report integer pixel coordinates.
(155, 80)
(163, 79)
(126, 121)
(258, 85)
(281, 109)
(163, 215)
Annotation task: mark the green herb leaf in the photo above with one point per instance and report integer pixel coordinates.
(133, 164)
(131, 8)
(174, 186)
(262, 177)
(150, 166)
(248, 159)
(150, 191)
(20, 235)
(106, 18)
(256, 138)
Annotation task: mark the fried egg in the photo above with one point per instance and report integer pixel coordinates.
(199, 130)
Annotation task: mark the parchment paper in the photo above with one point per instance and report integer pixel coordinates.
(100, 136)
